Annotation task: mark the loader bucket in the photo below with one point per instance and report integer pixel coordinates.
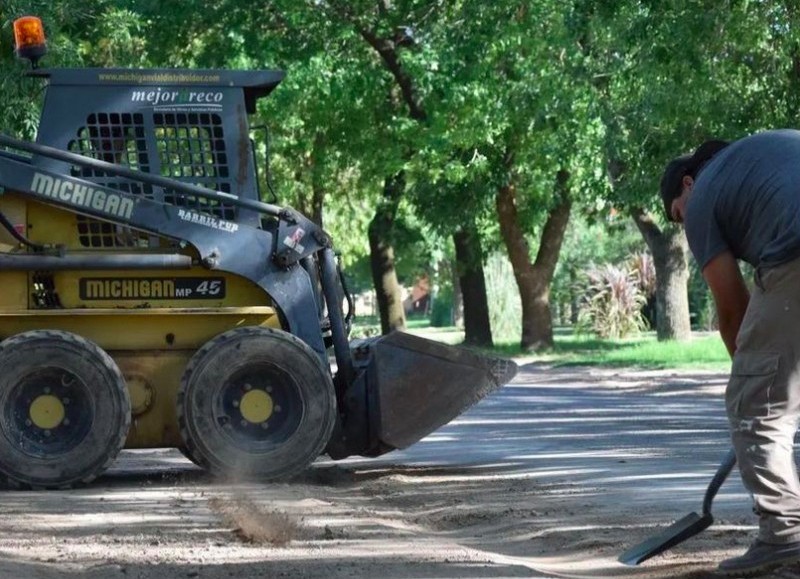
(416, 385)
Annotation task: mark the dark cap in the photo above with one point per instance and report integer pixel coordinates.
(678, 168)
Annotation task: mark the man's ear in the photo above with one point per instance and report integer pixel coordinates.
(687, 182)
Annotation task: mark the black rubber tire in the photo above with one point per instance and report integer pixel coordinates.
(187, 455)
(220, 440)
(88, 381)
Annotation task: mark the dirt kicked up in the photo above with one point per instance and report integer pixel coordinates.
(553, 476)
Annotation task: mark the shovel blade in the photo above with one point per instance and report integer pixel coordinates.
(676, 533)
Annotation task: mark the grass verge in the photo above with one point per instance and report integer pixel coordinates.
(705, 351)
(701, 352)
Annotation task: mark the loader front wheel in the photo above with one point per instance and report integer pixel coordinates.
(255, 403)
(64, 409)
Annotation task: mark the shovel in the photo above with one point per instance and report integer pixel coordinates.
(687, 527)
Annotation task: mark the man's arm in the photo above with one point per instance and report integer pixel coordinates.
(730, 295)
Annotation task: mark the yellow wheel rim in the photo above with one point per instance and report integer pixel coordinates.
(256, 406)
(46, 411)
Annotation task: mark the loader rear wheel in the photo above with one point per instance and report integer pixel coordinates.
(64, 409)
(256, 403)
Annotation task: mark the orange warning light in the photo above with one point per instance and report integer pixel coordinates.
(29, 38)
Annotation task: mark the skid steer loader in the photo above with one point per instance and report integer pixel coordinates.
(150, 299)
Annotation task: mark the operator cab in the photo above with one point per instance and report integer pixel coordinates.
(188, 125)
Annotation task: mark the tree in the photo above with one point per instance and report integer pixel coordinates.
(663, 93)
(330, 133)
(669, 249)
(391, 30)
(494, 122)
(519, 104)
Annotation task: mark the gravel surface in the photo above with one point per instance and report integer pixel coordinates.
(552, 476)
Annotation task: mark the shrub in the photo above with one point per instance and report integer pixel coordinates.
(442, 309)
(643, 270)
(612, 307)
(505, 306)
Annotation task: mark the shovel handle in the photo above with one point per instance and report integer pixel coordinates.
(719, 477)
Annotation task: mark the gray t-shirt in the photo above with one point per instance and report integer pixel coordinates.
(747, 200)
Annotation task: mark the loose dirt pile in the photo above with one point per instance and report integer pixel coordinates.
(251, 523)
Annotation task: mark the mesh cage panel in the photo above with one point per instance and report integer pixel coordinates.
(191, 149)
(117, 138)
(114, 138)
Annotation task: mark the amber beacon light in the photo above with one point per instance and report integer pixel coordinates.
(29, 38)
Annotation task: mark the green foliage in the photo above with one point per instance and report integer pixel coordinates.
(115, 39)
(442, 308)
(511, 93)
(505, 308)
(701, 304)
(64, 22)
(671, 74)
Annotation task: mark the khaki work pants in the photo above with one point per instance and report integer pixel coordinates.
(763, 401)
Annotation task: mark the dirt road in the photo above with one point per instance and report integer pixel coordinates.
(553, 476)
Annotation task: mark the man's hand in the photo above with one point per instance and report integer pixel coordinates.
(730, 293)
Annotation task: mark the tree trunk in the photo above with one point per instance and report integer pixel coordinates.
(315, 164)
(469, 263)
(574, 297)
(669, 249)
(317, 199)
(533, 279)
(384, 276)
(458, 298)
